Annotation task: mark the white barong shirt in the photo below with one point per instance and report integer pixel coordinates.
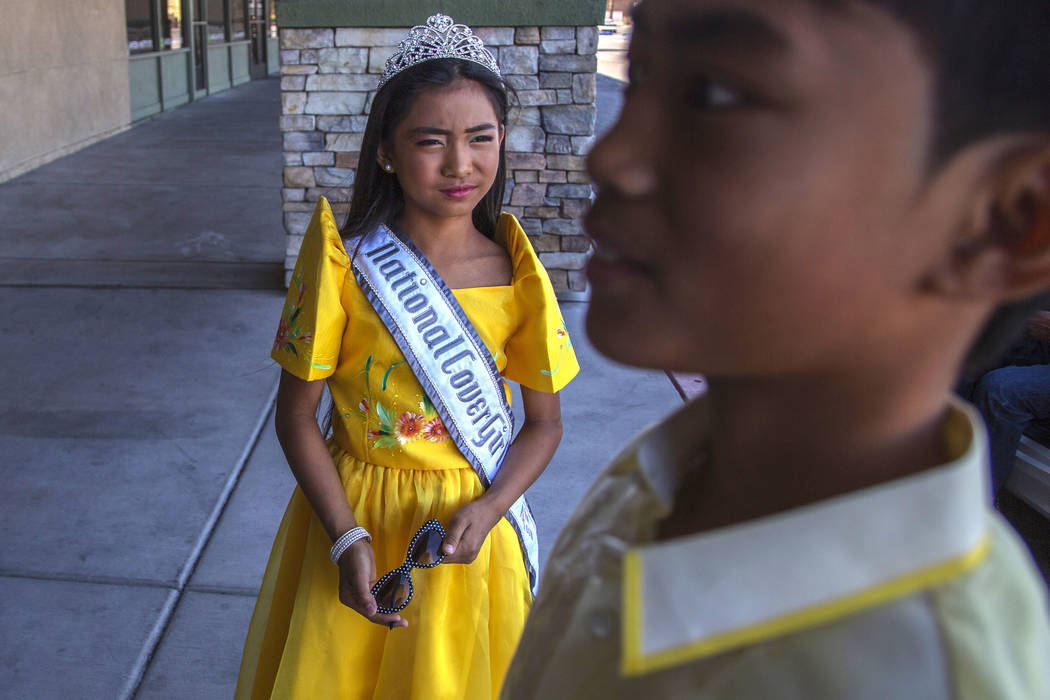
(913, 588)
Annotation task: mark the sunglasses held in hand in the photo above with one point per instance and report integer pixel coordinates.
(394, 590)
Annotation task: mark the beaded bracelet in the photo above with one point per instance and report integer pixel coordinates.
(348, 538)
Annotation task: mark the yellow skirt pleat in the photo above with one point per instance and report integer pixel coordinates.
(464, 621)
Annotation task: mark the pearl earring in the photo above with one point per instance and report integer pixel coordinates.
(388, 167)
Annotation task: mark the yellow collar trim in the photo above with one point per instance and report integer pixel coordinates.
(865, 548)
(635, 662)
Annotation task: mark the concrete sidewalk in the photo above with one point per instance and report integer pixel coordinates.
(143, 483)
(183, 200)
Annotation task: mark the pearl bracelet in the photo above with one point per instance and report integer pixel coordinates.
(348, 538)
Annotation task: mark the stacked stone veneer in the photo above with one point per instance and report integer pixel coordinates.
(328, 79)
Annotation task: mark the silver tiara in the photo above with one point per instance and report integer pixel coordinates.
(440, 37)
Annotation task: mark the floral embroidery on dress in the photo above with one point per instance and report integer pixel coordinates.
(290, 330)
(397, 429)
(434, 431)
(564, 343)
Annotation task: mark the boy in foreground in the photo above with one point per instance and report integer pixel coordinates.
(828, 207)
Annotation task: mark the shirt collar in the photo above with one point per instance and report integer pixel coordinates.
(704, 594)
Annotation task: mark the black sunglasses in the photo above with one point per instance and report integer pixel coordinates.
(394, 590)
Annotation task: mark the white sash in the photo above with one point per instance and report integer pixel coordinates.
(449, 359)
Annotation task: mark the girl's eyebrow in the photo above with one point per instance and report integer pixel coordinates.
(445, 132)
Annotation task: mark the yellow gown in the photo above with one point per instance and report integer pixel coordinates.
(399, 468)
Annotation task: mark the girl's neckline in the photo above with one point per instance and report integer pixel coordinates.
(487, 286)
(502, 244)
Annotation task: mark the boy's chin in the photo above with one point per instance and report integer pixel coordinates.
(616, 335)
(609, 337)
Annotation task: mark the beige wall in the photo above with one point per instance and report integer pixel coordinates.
(63, 78)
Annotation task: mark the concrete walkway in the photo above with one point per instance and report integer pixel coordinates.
(142, 480)
(184, 200)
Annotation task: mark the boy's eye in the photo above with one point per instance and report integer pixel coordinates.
(428, 142)
(483, 138)
(704, 93)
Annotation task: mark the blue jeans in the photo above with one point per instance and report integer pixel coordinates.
(1010, 398)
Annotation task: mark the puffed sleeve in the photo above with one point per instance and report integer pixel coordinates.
(539, 352)
(312, 323)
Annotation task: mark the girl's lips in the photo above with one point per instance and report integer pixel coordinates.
(459, 192)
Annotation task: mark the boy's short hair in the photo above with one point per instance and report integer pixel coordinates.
(991, 64)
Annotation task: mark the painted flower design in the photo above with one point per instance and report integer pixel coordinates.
(409, 427)
(282, 335)
(395, 429)
(434, 431)
(290, 331)
(564, 343)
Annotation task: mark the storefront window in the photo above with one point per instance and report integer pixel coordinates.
(216, 21)
(171, 24)
(238, 20)
(140, 26)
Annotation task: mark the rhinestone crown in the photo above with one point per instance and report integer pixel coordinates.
(440, 37)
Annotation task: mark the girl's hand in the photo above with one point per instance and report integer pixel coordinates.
(467, 530)
(527, 457)
(357, 575)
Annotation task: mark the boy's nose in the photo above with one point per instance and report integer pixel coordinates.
(622, 159)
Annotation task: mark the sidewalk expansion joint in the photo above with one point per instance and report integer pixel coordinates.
(87, 578)
(236, 275)
(225, 590)
(144, 183)
(160, 627)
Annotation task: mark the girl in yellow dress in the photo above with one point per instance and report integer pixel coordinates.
(432, 169)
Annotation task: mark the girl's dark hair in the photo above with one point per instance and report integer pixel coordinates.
(377, 197)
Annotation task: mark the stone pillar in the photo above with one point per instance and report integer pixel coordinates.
(328, 79)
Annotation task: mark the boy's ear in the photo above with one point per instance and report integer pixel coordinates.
(1003, 251)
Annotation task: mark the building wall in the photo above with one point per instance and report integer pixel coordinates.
(63, 78)
(406, 13)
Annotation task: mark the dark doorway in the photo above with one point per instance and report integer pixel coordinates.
(200, 44)
(257, 34)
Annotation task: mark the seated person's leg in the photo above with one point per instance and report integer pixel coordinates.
(1033, 348)
(1010, 398)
